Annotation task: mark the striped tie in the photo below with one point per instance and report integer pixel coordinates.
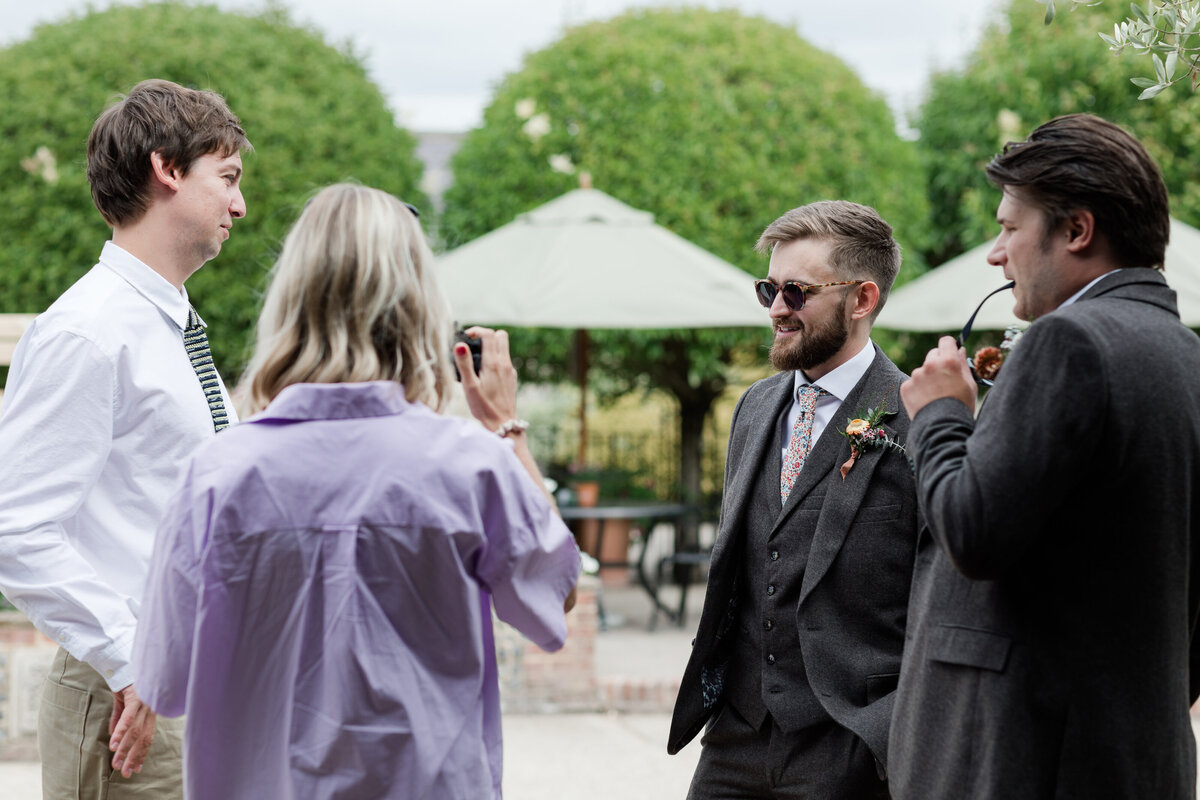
(195, 341)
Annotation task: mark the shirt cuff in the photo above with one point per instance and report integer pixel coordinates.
(115, 663)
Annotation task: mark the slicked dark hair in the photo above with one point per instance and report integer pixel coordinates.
(1080, 161)
(180, 123)
(862, 242)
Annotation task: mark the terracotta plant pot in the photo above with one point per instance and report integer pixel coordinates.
(587, 493)
(613, 548)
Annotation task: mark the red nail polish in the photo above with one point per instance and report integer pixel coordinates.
(460, 349)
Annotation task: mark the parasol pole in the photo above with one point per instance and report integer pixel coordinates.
(581, 360)
(581, 364)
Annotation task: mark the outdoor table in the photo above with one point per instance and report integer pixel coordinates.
(647, 516)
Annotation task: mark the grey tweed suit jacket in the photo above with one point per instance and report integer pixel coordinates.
(1054, 606)
(854, 594)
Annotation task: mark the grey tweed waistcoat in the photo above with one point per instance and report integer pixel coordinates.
(768, 674)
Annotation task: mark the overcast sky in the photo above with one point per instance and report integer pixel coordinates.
(437, 60)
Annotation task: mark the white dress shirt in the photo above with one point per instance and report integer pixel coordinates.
(101, 412)
(838, 383)
(1089, 285)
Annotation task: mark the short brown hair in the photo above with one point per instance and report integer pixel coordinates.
(863, 245)
(156, 116)
(1080, 161)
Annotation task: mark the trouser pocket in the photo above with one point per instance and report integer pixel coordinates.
(62, 739)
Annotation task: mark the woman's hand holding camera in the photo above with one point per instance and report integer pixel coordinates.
(492, 393)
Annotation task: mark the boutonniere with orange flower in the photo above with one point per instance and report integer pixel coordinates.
(988, 360)
(865, 432)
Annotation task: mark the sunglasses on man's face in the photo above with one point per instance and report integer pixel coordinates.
(794, 293)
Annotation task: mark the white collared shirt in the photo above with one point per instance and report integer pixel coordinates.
(101, 412)
(838, 383)
(1090, 284)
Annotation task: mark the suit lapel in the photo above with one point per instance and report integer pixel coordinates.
(837, 514)
(760, 421)
(880, 383)
(760, 448)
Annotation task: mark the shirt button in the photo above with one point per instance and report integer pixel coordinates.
(771, 589)
(770, 658)
(774, 555)
(768, 625)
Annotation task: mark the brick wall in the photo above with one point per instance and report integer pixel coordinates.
(533, 681)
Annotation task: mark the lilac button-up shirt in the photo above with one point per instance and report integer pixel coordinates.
(319, 600)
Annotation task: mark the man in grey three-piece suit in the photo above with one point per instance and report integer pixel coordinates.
(796, 658)
(1051, 639)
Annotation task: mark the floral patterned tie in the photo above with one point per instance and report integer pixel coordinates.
(801, 441)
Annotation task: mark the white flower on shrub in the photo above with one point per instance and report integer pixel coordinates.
(43, 164)
(560, 162)
(537, 126)
(525, 107)
(1009, 124)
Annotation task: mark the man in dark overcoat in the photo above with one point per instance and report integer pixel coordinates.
(1050, 649)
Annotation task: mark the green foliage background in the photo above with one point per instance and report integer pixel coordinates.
(1037, 72)
(309, 109)
(715, 122)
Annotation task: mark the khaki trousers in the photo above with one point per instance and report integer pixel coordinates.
(73, 742)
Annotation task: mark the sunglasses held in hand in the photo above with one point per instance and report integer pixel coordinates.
(794, 293)
(966, 331)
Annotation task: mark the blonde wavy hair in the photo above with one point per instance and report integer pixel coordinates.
(353, 297)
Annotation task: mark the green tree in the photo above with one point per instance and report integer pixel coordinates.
(716, 123)
(309, 109)
(1020, 75)
(1166, 30)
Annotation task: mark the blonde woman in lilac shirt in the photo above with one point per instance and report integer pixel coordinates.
(320, 596)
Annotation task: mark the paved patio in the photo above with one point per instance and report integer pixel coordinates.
(593, 756)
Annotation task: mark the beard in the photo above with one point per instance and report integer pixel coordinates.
(815, 344)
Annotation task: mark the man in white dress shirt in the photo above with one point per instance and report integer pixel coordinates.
(111, 389)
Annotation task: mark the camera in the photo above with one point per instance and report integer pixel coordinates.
(476, 346)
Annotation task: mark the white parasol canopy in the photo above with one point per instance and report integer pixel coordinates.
(943, 298)
(587, 260)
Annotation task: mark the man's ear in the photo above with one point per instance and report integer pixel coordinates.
(1080, 228)
(866, 298)
(163, 173)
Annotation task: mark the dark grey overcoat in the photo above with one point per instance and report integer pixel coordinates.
(1055, 604)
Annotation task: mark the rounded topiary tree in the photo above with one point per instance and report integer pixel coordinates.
(1021, 74)
(309, 109)
(715, 122)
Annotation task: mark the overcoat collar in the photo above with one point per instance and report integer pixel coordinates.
(1136, 283)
